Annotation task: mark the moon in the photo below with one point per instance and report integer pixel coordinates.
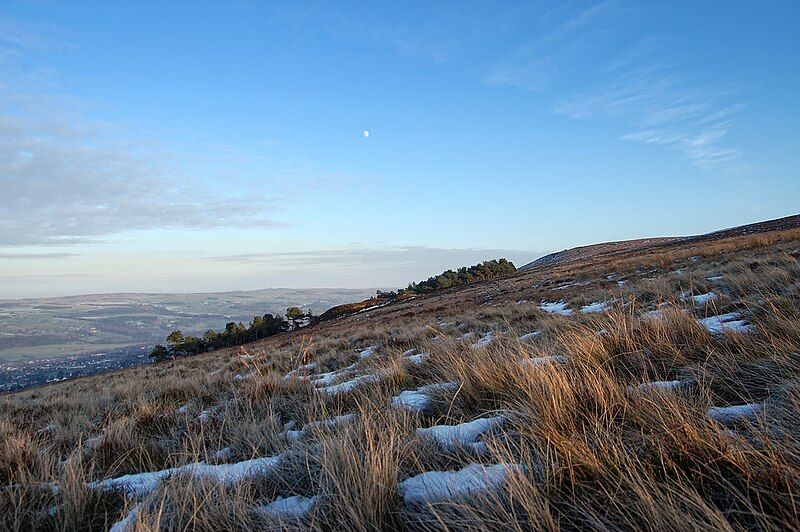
(365, 133)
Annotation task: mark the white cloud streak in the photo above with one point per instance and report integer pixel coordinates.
(67, 180)
(660, 107)
(376, 258)
(641, 88)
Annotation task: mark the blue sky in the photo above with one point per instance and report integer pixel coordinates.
(166, 146)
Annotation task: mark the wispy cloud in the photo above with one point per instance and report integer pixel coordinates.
(660, 106)
(68, 178)
(375, 258)
(560, 44)
(35, 256)
(640, 86)
(17, 38)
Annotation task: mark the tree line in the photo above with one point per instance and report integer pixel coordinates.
(487, 269)
(179, 345)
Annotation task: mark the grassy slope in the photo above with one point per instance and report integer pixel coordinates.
(597, 455)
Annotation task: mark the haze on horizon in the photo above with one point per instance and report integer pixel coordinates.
(157, 147)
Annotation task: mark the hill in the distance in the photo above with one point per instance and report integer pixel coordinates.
(606, 249)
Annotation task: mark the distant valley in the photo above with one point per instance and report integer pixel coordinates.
(43, 340)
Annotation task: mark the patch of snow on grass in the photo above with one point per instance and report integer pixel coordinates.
(701, 299)
(293, 435)
(326, 379)
(350, 385)
(657, 385)
(368, 352)
(530, 336)
(474, 479)
(295, 506)
(593, 308)
(729, 322)
(300, 369)
(730, 414)
(463, 433)
(652, 315)
(556, 307)
(485, 340)
(417, 358)
(93, 443)
(419, 399)
(544, 361)
(126, 523)
(140, 484)
(223, 454)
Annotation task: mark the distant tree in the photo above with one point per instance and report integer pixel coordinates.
(160, 353)
(294, 315)
(234, 334)
(381, 294)
(175, 338)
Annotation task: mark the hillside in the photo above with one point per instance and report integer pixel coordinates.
(626, 246)
(635, 387)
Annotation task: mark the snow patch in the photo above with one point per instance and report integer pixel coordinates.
(544, 361)
(530, 336)
(657, 385)
(556, 307)
(463, 433)
(350, 385)
(300, 369)
(594, 308)
(651, 315)
(701, 299)
(368, 352)
(126, 523)
(419, 399)
(485, 340)
(294, 435)
(474, 479)
(730, 414)
(222, 454)
(295, 506)
(417, 359)
(729, 322)
(140, 484)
